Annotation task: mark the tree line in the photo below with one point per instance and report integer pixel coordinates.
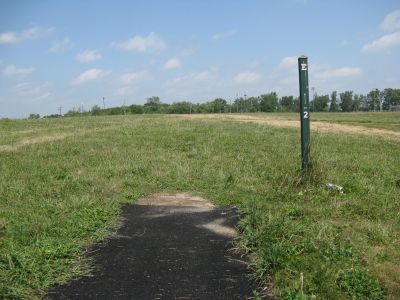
(348, 101)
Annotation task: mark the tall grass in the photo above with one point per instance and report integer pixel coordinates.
(59, 196)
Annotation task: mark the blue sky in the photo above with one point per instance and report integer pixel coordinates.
(74, 53)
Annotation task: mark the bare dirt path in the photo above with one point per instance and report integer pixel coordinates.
(170, 247)
(272, 120)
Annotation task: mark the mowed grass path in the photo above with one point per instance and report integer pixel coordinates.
(380, 120)
(62, 182)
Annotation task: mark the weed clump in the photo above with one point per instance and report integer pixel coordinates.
(358, 285)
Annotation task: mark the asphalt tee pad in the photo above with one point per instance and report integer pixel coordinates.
(169, 247)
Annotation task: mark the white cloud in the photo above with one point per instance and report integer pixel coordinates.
(134, 76)
(187, 51)
(88, 56)
(13, 71)
(172, 63)
(339, 73)
(31, 33)
(247, 77)
(61, 46)
(151, 43)
(36, 32)
(384, 42)
(8, 38)
(288, 62)
(223, 35)
(89, 75)
(203, 76)
(124, 91)
(391, 22)
(32, 91)
(391, 25)
(152, 62)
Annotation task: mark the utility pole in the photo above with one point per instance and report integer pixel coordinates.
(304, 112)
(245, 103)
(237, 103)
(104, 103)
(59, 110)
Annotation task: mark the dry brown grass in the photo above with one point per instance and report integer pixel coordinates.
(30, 141)
(38, 138)
(272, 120)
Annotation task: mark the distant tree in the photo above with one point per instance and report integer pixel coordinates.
(163, 108)
(52, 116)
(34, 116)
(180, 108)
(253, 104)
(116, 110)
(374, 100)
(287, 103)
(356, 103)
(363, 103)
(239, 105)
(334, 106)
(154, 100)
(135, 109)
(312, 101)
(196, 108)
(321, 102)
(217, 105)
(96, 110)
(152, 104)
(391, 97)
(201, 108)
(74, 112)
(209, 107)
(269, 102)
(296, 104)
(346, 101)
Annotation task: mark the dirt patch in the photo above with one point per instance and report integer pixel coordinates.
(179, 199)
(190, 203)
(316, 126)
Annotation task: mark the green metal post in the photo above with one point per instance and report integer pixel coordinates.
(304, 112)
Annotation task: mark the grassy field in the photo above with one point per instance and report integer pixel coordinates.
(62, 182)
